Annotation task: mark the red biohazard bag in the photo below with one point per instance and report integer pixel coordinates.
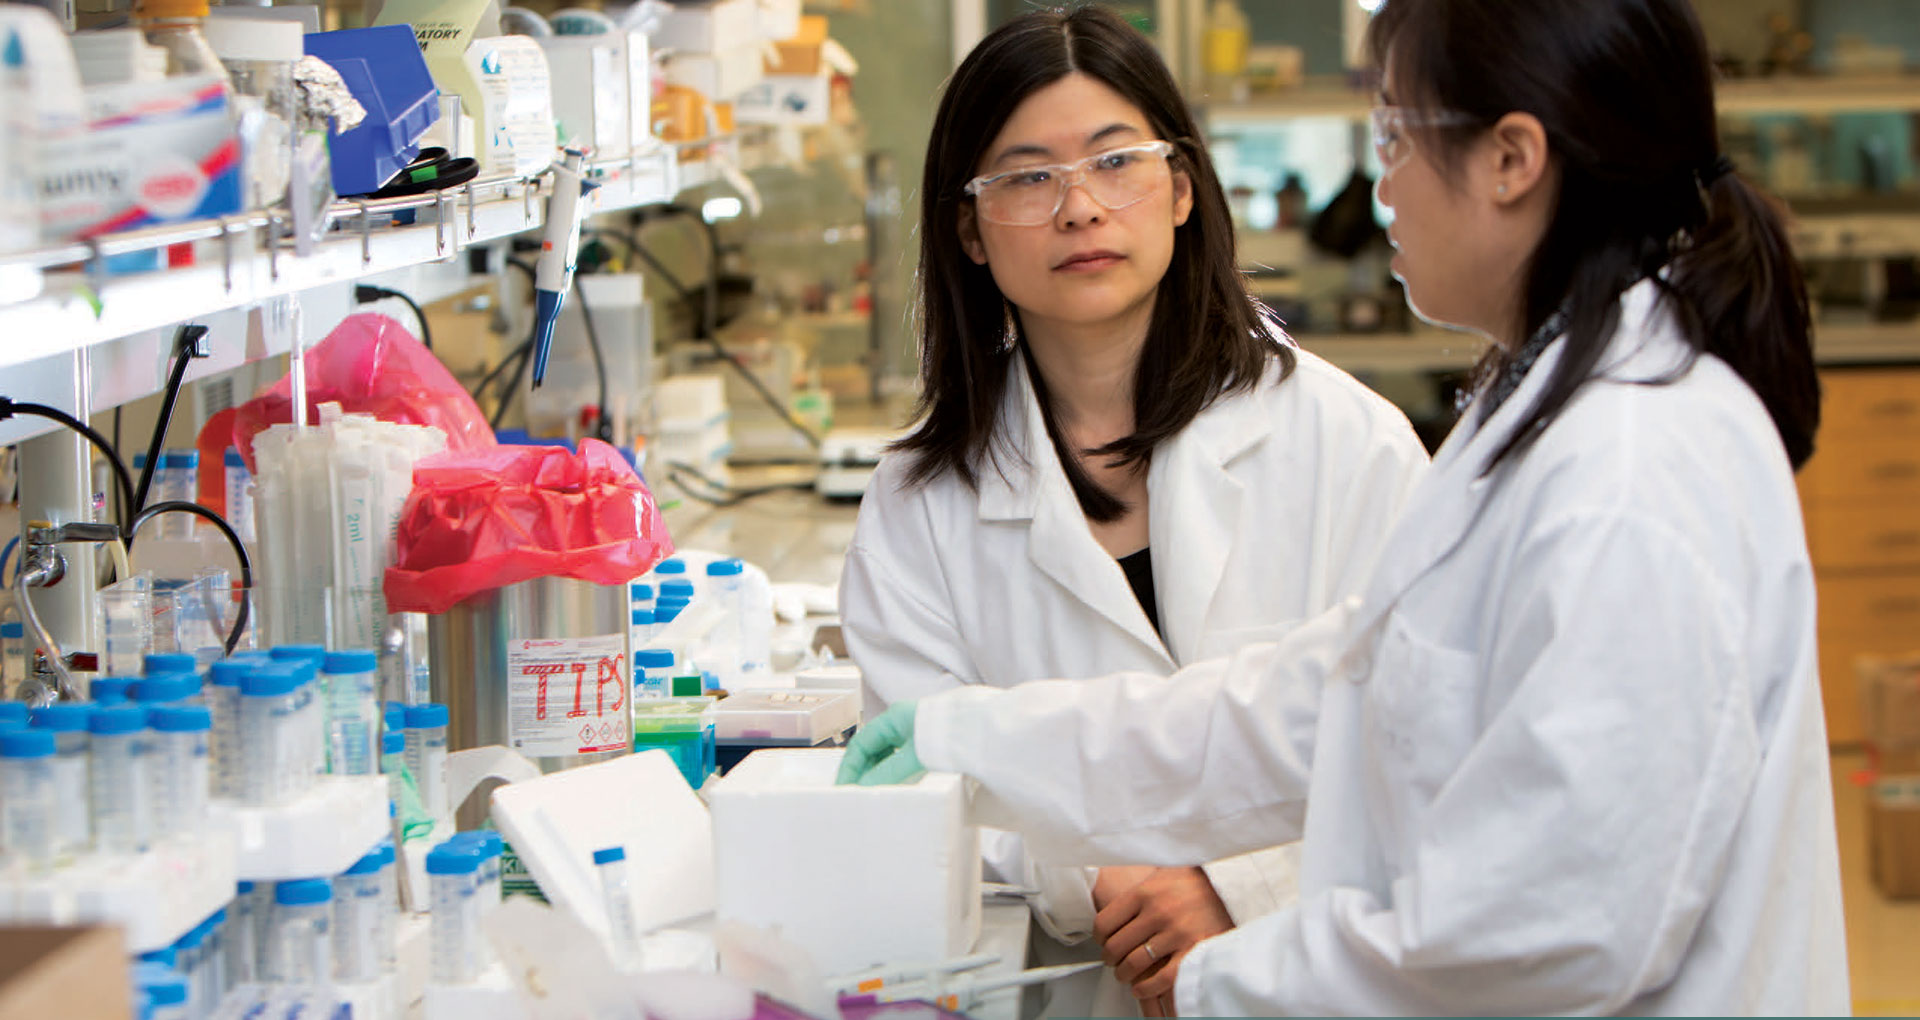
(483, 520)
(370, 364)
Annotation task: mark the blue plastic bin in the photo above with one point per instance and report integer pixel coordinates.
(386, 72)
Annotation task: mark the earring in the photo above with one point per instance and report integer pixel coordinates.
(1502, 189)
(1010, 330)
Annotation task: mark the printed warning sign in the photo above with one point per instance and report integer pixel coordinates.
(568, 696)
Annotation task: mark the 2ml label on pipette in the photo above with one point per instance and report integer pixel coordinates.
(568, 696)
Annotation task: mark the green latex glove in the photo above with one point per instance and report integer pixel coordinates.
(881, 752)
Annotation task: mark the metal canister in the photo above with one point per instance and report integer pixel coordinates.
(542, 667)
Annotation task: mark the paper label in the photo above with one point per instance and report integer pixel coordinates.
(568, 696)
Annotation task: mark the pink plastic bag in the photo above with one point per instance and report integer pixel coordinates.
(479, 521)
(370, 364)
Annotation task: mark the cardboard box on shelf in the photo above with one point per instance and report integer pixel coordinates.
(1890, 700)
(800, 53)
(72, 973)
(1893, 835)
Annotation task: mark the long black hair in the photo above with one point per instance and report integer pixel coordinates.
(1206, 337)
(1624, 89)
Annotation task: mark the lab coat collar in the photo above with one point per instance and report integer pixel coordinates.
(1009, 488)
(1449, 499)
(1193, 501)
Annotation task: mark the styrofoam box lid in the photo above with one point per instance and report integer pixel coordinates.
(640, 802)
(250, 39)
(811, 771)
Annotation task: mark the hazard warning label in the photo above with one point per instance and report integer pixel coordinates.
(568, 696)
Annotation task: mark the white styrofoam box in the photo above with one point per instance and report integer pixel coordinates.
(787, 99)
(708, 26)
(640, 802)
(810, 716)
(718, 76)
(681, 441)
(836, 676)
(156, 896)
(317, 835)
(698, 398)
(602, 91)
(491, 997)
(861, 875)
(779, 19)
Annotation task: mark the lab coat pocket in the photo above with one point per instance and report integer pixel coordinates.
(1421, 713)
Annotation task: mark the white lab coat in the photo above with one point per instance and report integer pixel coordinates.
(1565, 754)
(1268, 508)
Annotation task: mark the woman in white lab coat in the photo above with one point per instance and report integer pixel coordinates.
(1118, 464)
(1565, 753)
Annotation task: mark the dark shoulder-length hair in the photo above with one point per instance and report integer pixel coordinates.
(1206, 337)
(1624, 89)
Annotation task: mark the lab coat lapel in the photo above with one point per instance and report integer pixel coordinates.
(1194, 504)
(1450, 498)
(1059, 544)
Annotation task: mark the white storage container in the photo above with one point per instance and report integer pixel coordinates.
(865, 876)
(805, 717)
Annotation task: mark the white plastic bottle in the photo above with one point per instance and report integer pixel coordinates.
(427, 755)
(269, 734)
(453, 871)
(27, 820)
(181, 766)
(726, 586)
(622, 930)
(302, 943)
(357, 956)
(73, 824)
(117, 775)
(353, 716)
(654, 668)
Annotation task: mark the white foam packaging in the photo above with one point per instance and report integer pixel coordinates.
(602, 91)
(863, 875)
(721, 75)
(709, 27)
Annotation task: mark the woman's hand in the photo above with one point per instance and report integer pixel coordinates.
(1147, 929)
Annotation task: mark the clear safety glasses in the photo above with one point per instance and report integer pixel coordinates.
(1032, 195)
(1393, 128)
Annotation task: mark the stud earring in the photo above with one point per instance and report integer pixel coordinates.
(1010, 329)
(1502, 189)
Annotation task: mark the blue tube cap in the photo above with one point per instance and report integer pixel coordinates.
(26, 744)
(243, 889)
(653, 658)
(393, 742)
(676, 589)
(667, 613)
(116, 720)
(181, 719)
(426, 717)
(62, 717)
(233, 459)
(161, 663)
(109, 690)
(642, 618)
(290, 653)
(394, 716)
(610, 855)
(726, 568)
(12, 631)
(349, 662)
(670, 567)
(229, 672)
(163, 957)
(13, 711)
(303, 892)
(166, 687)
(366, 865)
(453, 858)
(163, 986)
(180, 459)
(640, 592)
(277, 680)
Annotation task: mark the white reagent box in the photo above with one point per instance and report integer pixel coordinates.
(859, 876)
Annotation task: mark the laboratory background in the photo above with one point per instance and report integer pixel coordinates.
(503, 678)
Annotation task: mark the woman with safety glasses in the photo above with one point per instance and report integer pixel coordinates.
(1119, 464)
(1566, 753)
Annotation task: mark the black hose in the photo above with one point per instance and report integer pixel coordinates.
(367, 293)
(707, 332)
(9, 408)
(524, 348)
(602, 422)
(183, 346)
(233, 540)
